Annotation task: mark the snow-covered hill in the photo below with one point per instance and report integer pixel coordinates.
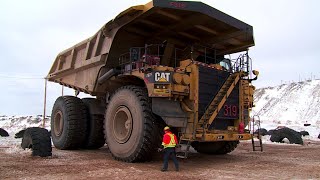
(292, 105)
(295, 102)
(13, 124)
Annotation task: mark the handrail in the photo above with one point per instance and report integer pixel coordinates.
(242, 63)
(138, 55)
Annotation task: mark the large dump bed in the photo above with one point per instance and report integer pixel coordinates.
(180, 22)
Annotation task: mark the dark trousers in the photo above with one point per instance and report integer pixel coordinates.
(169, 152)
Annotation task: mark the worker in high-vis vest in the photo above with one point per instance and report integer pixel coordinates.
(169, 143)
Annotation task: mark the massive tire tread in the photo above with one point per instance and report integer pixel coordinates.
(19, 134)
(73, 112)
(271, 131)
(207, 147)
(215, 148)
(95, 136)
(38, 139)
(228, 147)
(262, 131)
(143, 140)
(304, 133)
(159, 124)
(3, 133)
(293, 136)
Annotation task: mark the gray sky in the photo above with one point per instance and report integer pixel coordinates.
(33, 32)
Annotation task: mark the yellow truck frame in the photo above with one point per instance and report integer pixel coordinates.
(162, 63)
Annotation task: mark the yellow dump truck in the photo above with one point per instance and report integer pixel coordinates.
(162, 63)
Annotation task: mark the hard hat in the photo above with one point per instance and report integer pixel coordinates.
(166, 128)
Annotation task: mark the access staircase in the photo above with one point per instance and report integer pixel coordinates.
(241, 67)
(216, 104)
(210, 114)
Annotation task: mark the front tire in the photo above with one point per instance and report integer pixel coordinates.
(130, 128)
(68, 123)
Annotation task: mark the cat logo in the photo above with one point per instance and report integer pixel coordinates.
(162, 77)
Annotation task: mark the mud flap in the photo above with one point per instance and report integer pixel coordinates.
(170, 111)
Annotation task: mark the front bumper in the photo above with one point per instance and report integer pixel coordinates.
(223, 137)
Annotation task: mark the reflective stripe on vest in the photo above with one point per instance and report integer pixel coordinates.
(172, 141)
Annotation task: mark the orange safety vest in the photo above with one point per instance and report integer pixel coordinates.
(172, 142)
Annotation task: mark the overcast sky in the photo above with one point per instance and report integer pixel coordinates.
(33, 32)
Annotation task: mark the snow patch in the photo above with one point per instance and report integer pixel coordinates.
(14, 124)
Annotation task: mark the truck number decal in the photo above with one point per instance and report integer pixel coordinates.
(230, 110)
(178, 5)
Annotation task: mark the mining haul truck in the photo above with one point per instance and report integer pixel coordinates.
(165, 63)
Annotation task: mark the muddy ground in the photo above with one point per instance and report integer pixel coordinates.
(283, 161)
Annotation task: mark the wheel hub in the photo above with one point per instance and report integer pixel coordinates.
(58, 123)
(122, 124)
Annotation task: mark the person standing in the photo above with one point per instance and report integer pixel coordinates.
(169, 143)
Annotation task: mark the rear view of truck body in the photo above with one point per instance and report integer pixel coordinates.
(168, 58)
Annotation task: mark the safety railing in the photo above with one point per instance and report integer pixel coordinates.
(140, 57)
(242, 63)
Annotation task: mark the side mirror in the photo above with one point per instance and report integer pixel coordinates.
(255, 72)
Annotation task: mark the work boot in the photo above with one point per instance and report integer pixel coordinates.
(163, 170)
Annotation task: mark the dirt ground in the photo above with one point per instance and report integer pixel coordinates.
(276, 162)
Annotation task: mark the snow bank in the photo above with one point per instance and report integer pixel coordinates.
(14, 124)
(291, 105)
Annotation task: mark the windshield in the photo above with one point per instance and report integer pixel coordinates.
(226, 63)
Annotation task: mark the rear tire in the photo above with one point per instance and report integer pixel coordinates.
(130, 128)
(228, 147)
(94, 137)
(68, 123)
(214, 148)
(38, 139)
(207, 147)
